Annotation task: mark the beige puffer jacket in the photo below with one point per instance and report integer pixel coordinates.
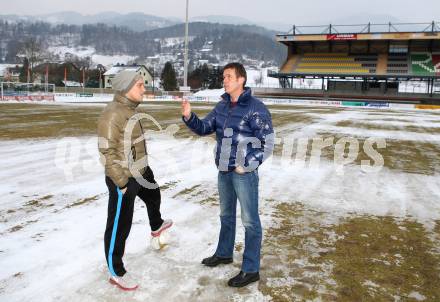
(112, 126)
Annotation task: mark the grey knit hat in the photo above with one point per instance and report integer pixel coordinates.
(124, 80)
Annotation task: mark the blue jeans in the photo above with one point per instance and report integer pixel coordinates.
(231, 186)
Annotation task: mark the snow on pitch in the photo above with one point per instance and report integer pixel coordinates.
(54, 203)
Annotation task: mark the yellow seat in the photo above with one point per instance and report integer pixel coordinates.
(332, 70)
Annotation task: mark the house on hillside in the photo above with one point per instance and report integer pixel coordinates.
(10, 73)
(141, 69)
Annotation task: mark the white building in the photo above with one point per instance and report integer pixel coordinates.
(10, 72)
(141, 69)
(207, 47)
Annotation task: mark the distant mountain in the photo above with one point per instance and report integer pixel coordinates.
(134, 21)
(199, 28)
(138, 21)
(365, 18)
(274, 26)
(222, 19)
(141, 22)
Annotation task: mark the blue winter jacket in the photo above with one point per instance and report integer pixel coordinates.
(244, 133)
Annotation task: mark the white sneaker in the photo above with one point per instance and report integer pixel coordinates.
(166, 224)
(125, 282)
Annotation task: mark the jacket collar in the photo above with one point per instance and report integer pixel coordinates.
(125, 101)
(242, 99)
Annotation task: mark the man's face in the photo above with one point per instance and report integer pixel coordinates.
(136, 93)
(231, 82)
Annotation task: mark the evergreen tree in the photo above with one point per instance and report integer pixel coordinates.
(215, 80)
(194, 79)
(200, 77)
(24, 71)
(168, 78)
(204, 76)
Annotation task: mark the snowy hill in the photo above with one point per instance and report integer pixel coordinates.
(257, 43)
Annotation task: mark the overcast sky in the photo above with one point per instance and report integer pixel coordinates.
(284, 11)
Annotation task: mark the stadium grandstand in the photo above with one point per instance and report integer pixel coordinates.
(369, 61)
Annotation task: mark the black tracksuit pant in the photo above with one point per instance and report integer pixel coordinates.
(120, 216)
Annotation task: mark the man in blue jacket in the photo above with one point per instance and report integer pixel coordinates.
(245, 137)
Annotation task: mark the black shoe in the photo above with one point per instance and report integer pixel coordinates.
(243, 279)
(214, 261)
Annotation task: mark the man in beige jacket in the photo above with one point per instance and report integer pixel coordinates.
(123, 151)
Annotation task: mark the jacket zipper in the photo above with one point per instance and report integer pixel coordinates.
(145, 141)
(227, 119)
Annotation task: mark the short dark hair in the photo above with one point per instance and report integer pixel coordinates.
(239, 70)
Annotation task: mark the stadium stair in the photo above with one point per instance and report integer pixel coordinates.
(382, 62)
(422, 64)
(290, 64)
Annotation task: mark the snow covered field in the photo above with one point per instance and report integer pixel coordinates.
(332, 232)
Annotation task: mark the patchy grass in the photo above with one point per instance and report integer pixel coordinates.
(187, 191)
(39, 202)
(314, 108)
(363, 258)
(430, 130)
(18, 121)
(307, 254)
(15, 229)
(385, 127)
(280, 119)
(211, 200)
(287, 254)
(437, 227)
(83, 201)
(19, 227)
(399, 155)
(168, 185)
(385, 119)
(21, 121)
(199, 194)
(393, 255)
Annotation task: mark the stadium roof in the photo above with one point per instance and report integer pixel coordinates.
(389, 31)
(354, 76)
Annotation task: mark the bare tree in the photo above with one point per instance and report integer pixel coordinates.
(33, 51)
(81, 62)
(82, 66)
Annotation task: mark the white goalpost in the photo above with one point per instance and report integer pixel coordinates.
(13, 91)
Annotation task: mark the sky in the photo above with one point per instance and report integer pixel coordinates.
(283, 11)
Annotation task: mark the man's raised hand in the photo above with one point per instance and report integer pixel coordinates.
(186, 109)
